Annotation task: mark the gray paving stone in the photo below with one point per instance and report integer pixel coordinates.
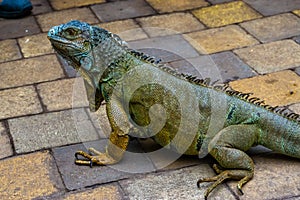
(40, 6)
(267, 7)
(274, 28)
(122, 10)
(177, 184)
(271, 57)
(222, 67)
(51, 130)
(168, 48)
(76, 177)
(276, 177)
(15, 28)
(12, 50)
(219, 1)
(5, 145)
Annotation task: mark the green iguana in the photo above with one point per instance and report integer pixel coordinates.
(132, 84)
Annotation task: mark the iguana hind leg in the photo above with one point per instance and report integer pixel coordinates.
(228, 148)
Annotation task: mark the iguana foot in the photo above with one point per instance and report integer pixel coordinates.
(98, 158)
(242, 175)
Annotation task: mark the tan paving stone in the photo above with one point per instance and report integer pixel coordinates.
(277, 89)
(220, 39)
(28, 71)
(297, 12)
(170, 24)
(35, 45)
(295, 108)
(128, 30)
(5, 145)
(275, 177)
(19, 101)
(29, 176)
(224, 14)
(60, 5)
(175, 5)
(274, 28)
(49, 20)
(58, 95)
(9, 50)
(107, 192)
(271, 57)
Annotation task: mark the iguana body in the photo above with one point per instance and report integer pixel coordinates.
(133, 84)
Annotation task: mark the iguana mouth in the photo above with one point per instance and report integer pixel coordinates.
(65, 46)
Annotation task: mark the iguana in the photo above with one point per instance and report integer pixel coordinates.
(133, 83)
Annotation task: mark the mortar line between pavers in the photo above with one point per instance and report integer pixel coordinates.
(7, 129)
(44, 107)
(95, 15)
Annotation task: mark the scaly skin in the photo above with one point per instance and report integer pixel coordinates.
(133, 85)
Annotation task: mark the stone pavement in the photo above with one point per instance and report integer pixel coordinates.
(252, 44)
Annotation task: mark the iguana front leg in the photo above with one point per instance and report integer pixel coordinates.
(118, 140)
(228, 148)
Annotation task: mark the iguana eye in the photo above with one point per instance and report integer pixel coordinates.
(71, 32)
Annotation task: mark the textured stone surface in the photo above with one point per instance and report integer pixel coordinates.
(271, 57)
(14, 28)
(219, 1)
(107, 192)
(76, 176)
(167, 48)
(267, 7)
(177, 184)
(297, 12)
(60, 5)
(280, 88)
(29, 176)
(58, 95)
(174, 5)
(170, 24)
(122, 10)
(224, 14)
(5, 145)
(221, 67)
(9, 50)
(49, 20)
(274, 28)
(28, 71)
(19, 101)
(127, 29)
(35, 45)
(40, 6)
(295, 108)
(220, 39)
(51, 130)
(273, 175)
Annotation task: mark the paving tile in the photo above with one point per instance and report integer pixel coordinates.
(127, 29)
(51, 19)
(15, 28)
(35, 45)
(219, 1)
(220, 39)
(297, 12)
(173, 5)
(221, 67)
(167, 48)
(28, 71)
(40, 6)
(51, 130)
(12, 51)
(267, 7)
(271, 57)
(60, 5)
(122, 10)
(29, 176)
(274, 28)
(75, 176)
(107, 192)
(224, 14)
(177, 184)
(175, 23)
(295, 108)
(277, 89)
(273, 175)
(5, 145)
(59, 95)
(19, 101)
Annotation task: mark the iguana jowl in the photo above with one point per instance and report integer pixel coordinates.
(115, 74)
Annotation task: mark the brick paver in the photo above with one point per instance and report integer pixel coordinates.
(224, 14)
(254, 45)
